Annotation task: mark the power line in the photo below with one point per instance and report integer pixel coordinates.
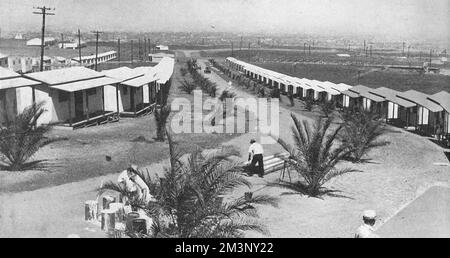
(97, 33)
(44, 12)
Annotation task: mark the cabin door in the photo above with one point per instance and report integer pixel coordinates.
(79, 111)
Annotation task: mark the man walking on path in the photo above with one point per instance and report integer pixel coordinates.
(255, 155)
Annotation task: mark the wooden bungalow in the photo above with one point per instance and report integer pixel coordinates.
(397, 109)
(443, 99)
(16, 94)
(75, 97)
(426, 114)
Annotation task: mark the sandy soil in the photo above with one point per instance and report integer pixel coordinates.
(81, 153)
(395, 175)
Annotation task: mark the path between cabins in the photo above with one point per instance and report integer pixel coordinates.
(391, 180)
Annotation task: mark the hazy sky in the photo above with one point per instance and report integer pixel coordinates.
(401, 18)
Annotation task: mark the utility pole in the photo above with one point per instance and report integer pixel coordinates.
(131, 51)
(44, 13)
(139, 49)
(365, 47)
(62, 40)
(240, 44)
(431, 52)
(118, 50)
(232, 49)
(79, 45)
(150, 44)
(97, 33)
(145, 48)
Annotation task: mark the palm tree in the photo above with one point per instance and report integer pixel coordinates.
(189, 200)
(309, 104)
(187, 87)
(291, 99)
(314, 155)
(362, 129)
(275, 94)
(161, 116)
(213, 90)
(327, 107)
(226, 95)
(21, 138)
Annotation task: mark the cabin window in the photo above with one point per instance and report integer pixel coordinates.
(125, 90)
(63, 96)
(91, 92)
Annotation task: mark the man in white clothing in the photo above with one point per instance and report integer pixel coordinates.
(134, 184)
(255, 155)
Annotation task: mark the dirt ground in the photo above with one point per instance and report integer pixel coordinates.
(428, 216)
(395, 175)
(81, 154)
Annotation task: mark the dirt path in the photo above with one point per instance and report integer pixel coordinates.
(394, 177)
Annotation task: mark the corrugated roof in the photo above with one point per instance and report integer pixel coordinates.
(364, 91)
(391, 95)
(342, 87)
(443, 99)
(6, 73)
(65, 75)
(140, 81)
(16, 83)
(351, 94)
(123, 73)
(10, 79)
(164, 69)
(434, 103)
(328, 86)
(316, 86)
(304, 83)
(420, 99)
(84, 85)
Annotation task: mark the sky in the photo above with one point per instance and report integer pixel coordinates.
(391, 18)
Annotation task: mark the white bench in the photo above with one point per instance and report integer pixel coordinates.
(274, 163)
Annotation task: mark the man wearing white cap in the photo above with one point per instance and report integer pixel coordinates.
(366, 230)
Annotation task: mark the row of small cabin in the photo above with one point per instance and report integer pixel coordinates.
(410, 109)
(72, 96)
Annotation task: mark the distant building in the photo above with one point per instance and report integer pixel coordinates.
(20, 64)
(3, 60)
(18, 36)
(162, 48)
(157, 57)
(89, 61)
(36, 42)
(71, 45)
